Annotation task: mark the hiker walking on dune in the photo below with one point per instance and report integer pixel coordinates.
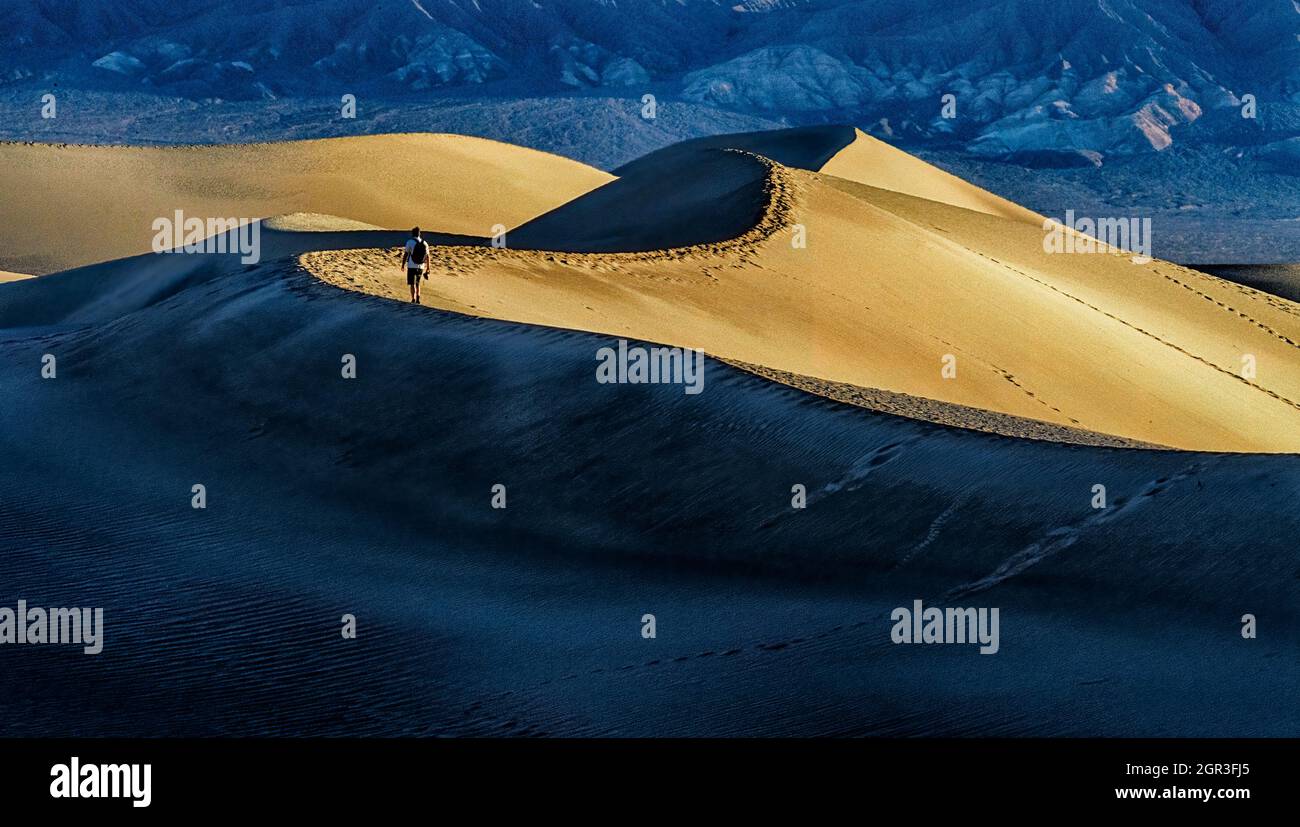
(415, 260)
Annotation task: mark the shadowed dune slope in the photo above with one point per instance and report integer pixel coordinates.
(697, 197)
(1279, 279)
(805, 147)
(67, 206)
(842, 151)
(706, 190)
(700, 191)
(371, 496)
(888, 287)
(99, 293)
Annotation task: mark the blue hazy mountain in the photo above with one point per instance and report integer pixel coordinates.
(1104, 105)
(1081, 79)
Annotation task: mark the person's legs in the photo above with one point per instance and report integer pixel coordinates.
(413, 281)
(418, 277)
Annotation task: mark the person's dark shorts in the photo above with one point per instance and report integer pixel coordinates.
(412, 276)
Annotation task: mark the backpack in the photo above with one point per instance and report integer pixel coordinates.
(419, 253)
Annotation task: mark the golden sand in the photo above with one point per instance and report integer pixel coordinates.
(892, 286)
(65, 206)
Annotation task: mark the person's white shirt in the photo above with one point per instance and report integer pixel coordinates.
(410, 248)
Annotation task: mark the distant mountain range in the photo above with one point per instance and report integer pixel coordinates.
(1084, 104)
(1046, 81)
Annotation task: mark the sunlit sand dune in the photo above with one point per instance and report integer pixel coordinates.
(66, 206)
(348, 444)
(842, 151)
(817, 254)
(877, 164)
(7, 276)
(310, 222)
(889, 288)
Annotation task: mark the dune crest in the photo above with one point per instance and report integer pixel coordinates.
(888, 289)
(875, 163)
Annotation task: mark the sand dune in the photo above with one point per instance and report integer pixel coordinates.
(5, 275)
(877, 164)
(371, 496)
(842, 151)
(904, 267)
(701, 191)
(806, 147)
(66, 206)
(712, 189)
(699, 196)
(888, 286)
